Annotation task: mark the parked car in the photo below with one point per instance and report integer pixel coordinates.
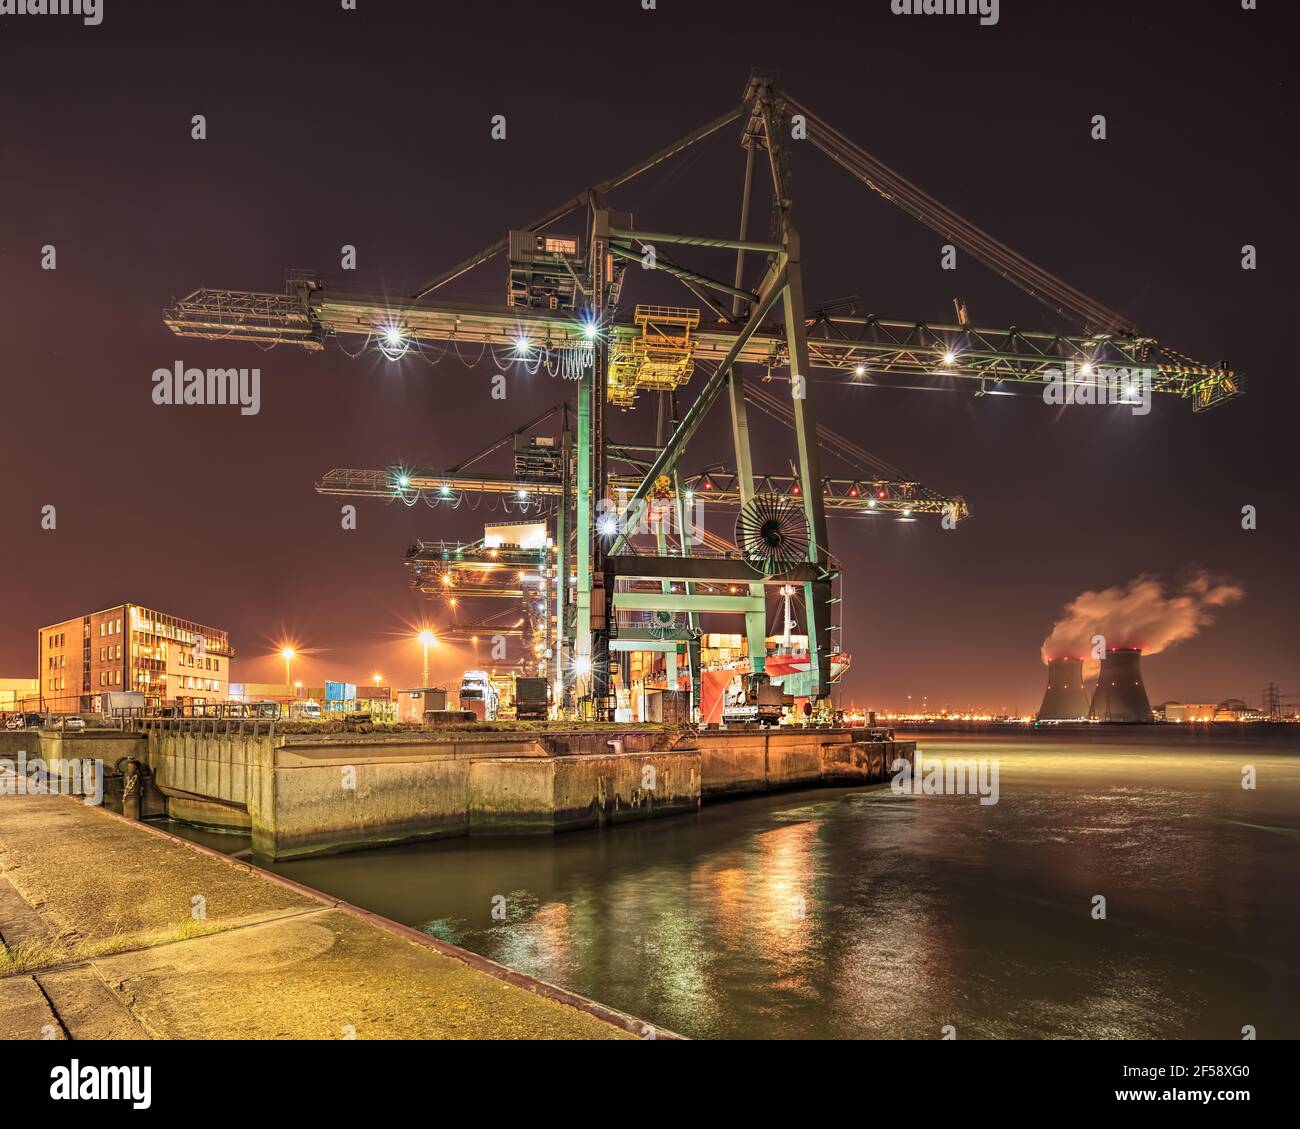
(14, 721)
(72, 723)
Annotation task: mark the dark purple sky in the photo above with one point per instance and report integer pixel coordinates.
(371, 128)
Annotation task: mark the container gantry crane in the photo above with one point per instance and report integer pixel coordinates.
(564, 313)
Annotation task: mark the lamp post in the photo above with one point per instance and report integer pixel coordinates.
(288, 654)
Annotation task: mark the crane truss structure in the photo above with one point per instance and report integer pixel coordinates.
(883, 349)
(450, 572)
(902, 498)
(768, 324)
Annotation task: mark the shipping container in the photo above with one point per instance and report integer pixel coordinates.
(413, 705)
(531, 699)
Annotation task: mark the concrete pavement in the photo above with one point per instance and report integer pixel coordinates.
(112, 929)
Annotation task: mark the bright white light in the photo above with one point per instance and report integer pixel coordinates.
(445, 491)
(392, 343)
(1087, 368)
(907, 513)
(590, 329)
(403, 481)
(871, 503)
(582, 666)
(607, 525)
(861, 370)
(949, 358)
(523, 346)
(522, 495)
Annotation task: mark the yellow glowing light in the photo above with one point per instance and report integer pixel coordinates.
(287, 652)
(428, 638)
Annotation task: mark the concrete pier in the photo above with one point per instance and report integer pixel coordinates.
(306, 794)
(111, 929)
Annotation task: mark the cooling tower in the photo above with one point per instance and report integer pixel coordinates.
(1064, 699)
(1120, 695)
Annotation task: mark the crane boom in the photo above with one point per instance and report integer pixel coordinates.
(852, 496)
(311, 315)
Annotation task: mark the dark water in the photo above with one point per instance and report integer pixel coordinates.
(841, 913)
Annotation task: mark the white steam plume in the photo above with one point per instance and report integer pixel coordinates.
(1139, 614)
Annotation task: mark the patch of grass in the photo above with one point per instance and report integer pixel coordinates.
(68, 948)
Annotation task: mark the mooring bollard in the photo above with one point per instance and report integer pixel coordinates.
(131, 788)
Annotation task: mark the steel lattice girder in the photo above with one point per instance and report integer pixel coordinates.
(681, 602)
(885, 348)
(862, 497)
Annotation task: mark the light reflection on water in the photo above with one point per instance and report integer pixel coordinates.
(863, 914)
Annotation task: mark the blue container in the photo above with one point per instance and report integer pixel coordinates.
(340, 692)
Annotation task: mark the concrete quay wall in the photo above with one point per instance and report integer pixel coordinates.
(300, 794)
(743, 762)
(530, 795)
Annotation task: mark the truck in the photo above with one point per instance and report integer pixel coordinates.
(531, 699)
(754, 699)
(478, 695)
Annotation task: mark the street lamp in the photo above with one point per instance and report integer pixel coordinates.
(378, 678)
(288, 654)
(427, 639)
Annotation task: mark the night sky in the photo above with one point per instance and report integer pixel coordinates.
(371, 127)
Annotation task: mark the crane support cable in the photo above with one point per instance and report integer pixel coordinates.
(1053, 292)
(835, 443)
(501, 442)
(582, 197)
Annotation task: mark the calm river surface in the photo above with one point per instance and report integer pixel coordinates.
(860, 914)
